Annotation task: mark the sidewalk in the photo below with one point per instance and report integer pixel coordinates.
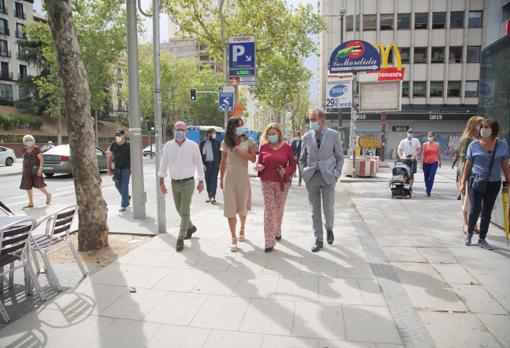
(397, 275)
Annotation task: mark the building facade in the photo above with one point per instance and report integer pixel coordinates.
(14, 15)
(440, 44)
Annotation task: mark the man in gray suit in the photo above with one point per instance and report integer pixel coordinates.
(321, 164)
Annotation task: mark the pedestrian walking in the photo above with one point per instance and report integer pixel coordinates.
(211, 157)
(482, 178)
(120, 154)
(181, 159)
(431, 160)
(410, 148)
(237, 149)
(32, 171)
(296, 149)
(321, 164)
(275, 166)
(48, 146)
(471, 132)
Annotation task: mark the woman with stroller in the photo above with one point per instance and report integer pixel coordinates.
(471, 132)
(482, 178)
(431, 161)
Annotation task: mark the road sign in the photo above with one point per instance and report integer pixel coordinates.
(226, 101)
(353, 56)
(241, 55)
(242, 80)
(339, 93)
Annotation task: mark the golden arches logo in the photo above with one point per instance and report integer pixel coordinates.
(385, 53)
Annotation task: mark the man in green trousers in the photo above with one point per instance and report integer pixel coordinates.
(181, 158)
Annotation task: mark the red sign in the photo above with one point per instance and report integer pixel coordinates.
(389, 74)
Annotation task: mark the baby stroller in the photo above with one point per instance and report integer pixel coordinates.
(401, 176)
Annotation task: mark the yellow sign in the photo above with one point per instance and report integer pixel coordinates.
(385, 53)
(369, 142)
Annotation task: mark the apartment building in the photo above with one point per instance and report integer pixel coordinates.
(440, 45)
(14, 15)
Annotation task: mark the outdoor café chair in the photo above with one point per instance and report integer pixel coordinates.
(58, 227)
(14, 252)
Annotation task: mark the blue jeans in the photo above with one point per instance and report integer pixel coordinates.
(481, 206)
(429, 171)
(211, 178)
(122, 185)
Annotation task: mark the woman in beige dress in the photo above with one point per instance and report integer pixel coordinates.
(236, 150)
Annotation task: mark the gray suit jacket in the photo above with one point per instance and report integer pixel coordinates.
(329, 159)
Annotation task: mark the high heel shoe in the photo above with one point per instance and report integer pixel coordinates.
(233, 246)
(241, 234)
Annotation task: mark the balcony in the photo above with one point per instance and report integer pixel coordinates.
(19, 14)
(5, 54)
(5, 32)
(20, 34)
(6, 76)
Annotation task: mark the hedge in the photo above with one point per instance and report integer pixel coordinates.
(8, 122)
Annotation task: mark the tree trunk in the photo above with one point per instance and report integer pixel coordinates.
(59, 130)
(92, 210)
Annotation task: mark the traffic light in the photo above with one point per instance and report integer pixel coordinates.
(193, 94)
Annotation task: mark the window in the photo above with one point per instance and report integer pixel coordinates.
(18, 10)
(455, 55)
(4, 27)
(438, 20)
(453, 88)
(349, 23)
(119, 104)
(456, 20)
(436, 88)
(5, 92)
(20, 31)
(420, 55)
(437, 55)
(405, 88)
(404, 55)
(369, 22)
(4, 68)
(421, 20)
(471, 89)
(4, 48)
(386, 22)
(475, 19)
(419, 89)
(473, 54)
(3, 9)
(22, 71)
(404, 21)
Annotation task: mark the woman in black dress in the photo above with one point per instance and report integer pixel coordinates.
(32, 171)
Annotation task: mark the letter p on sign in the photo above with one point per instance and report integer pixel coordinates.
(238, 51)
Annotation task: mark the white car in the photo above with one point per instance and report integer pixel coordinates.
(7, 156)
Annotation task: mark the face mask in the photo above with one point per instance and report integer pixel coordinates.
(118, 139)
(180, 136)
(314, 126)
(430, 138)
(240, 131)
(213, 136)
(29, 143)
(409, 136)
(485, 132)
(273, 139)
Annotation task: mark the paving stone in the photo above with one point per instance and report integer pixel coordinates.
(455, 274)
(134, 305)
(221, 312)
(269, 317)
(232, 339)
(339, 290)
(127, 333)
(176, 308)
(298, 288)
(498, 326)
(478, 300)
(179, 336)
(217, 283)
(178, 279)
(403, 254)
(318, 320)
(289, 342)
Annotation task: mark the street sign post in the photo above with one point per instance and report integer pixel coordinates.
(241, 54)
(226, 101)
(338, 93)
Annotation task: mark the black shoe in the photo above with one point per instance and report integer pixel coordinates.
(268, 249)
(317, 246)
(330, 237)
(459, 197)
(190, 232)
(179, 245)
(278, 237)
(428, 194)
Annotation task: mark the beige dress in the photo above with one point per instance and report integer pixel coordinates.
(236, 184)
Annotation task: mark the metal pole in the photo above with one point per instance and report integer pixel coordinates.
(157, 115)
(97, 128)
(222, 37)
(342, 12)
(135, 130)
(353, 109)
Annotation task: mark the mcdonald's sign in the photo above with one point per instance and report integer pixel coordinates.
(385, 53)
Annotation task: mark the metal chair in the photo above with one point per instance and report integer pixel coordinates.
(58, 226)
(14, 248)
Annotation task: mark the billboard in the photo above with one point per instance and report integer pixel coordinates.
(338, 93)
(380, 96)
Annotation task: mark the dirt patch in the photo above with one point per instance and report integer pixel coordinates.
(120, 244)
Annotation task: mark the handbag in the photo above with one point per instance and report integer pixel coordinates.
(480, 182)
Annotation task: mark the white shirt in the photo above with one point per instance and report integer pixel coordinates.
(409, 147)
(181, 161)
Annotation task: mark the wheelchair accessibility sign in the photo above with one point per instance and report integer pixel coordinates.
(226, 101)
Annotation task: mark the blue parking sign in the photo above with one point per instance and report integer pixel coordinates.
(241, 53)
(226, 101)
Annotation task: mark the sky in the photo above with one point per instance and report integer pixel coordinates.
(310, 62)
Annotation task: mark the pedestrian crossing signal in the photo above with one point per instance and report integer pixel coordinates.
(193, 94)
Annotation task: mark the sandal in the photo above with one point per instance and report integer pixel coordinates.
(28, 206)
(465, 229)
(233, 246)
(241, 234)
(48, 200)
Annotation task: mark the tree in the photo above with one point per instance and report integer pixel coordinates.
(92, 211)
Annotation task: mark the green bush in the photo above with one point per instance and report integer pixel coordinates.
(8, 122)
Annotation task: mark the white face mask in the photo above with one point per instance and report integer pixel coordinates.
(213, 136)
(118, 139)
(430, 138)
(485, 132)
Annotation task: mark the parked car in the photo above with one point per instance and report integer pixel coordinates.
(7, 156)
(58, 160)
(147, 150)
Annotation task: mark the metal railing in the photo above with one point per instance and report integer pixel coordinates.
(6, 76)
